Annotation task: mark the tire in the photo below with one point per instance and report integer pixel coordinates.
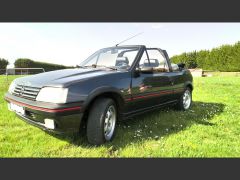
(101, 122)
(182, 104)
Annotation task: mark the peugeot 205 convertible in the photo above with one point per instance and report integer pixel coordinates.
(111, 85)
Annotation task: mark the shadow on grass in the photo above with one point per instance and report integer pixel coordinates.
(154, 125)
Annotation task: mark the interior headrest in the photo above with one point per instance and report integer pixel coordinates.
(153, 63)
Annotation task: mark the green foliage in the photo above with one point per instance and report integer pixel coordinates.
(28, 63)
(188, 58)
(23, 63)
(224, 58)
(3, 63)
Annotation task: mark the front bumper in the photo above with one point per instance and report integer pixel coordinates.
(67, 117)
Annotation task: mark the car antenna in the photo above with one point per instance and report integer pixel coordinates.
(129, 38)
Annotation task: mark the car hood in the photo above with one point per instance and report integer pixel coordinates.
(61, 78)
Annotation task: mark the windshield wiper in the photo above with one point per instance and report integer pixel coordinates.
(95, 66)
(109, 67)
(85, 66)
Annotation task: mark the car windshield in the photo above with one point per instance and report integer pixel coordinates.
(114, 58)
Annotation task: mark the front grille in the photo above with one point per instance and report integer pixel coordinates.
(26, 92)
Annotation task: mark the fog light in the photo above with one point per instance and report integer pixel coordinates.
(49, 123)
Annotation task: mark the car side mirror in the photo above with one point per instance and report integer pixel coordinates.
(181, 65)
(146, 70)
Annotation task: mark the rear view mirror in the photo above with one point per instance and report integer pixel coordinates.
(181, 65)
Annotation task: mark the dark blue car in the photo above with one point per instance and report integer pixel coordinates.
(113, 84)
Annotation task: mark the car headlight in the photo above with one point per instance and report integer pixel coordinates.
(52, 95)
(12, 87)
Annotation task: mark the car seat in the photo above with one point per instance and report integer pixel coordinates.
(153, 63)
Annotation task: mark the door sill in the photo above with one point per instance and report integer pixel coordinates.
(143, 110)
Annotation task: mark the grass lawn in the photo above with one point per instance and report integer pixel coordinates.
(211, 128)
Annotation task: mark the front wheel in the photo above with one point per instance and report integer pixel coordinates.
(185, 100)
(101, 121)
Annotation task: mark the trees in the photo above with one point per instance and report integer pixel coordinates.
(223, 58)
(202, 58)
(3, 63)
(23, 63)
(188, 58)
(28, 63)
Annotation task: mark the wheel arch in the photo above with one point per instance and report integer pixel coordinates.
(108, 92)
(189, 85)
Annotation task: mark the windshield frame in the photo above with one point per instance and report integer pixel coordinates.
(140, 47)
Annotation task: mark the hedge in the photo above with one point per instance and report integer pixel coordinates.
(3, 63)
(224, 58)
(28, 63)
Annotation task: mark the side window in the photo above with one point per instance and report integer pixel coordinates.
(144, 61)
(130, 56)
(157, 61)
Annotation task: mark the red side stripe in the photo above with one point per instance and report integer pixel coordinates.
(44, 109)
(155, 94)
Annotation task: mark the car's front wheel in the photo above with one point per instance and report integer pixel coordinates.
(101, 121)
(185, 100)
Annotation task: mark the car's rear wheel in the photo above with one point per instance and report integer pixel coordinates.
(185, 100)
(101, 121)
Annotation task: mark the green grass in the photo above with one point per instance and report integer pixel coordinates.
(211, 128)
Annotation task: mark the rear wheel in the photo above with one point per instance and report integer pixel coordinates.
(185, 100)
(101, 121)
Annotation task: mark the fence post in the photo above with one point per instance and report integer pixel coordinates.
(7, 75)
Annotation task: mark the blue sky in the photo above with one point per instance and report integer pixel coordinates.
(71, 43)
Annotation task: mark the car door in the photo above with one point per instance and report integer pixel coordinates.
(177, 78)
(151, 89)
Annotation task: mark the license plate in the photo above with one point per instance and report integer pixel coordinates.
(18, 109)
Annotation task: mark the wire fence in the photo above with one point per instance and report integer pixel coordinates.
(19, 71)
(2, 71)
